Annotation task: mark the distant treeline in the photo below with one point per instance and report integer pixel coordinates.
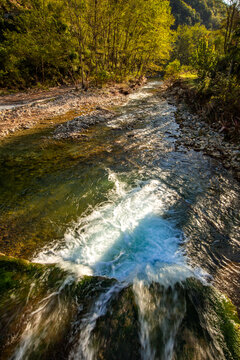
(205, 12)
(56, 41)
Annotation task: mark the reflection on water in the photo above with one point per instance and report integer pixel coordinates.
(125, 202)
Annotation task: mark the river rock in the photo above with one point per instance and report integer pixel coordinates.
(73, 128)
(195, 132)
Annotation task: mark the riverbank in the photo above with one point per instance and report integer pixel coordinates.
(198, 132)
(78, 109)
(25, 110)
(122, 201)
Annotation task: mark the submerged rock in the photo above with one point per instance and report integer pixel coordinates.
(116, 335)
(210, 328)
(73, 128)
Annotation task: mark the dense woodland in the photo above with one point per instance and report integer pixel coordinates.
(52, 42)
(213, 58)
(190, 12)
(95, 40)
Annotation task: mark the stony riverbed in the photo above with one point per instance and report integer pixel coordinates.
(197, 133)
(24, 111)
(132, 237)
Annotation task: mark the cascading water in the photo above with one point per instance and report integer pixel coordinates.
(127, 238)
(121, 237)
(128, 282)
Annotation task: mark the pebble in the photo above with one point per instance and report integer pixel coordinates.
(197, 133)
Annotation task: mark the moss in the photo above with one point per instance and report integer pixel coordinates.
(210, 322)
(207, 306)
(25, 287)
(229, 324)
(14, 271)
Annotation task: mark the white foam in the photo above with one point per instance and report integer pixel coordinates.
(123, 237)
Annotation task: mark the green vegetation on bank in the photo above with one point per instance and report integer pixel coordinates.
(47, 43)
(56, 41)
(213, 58)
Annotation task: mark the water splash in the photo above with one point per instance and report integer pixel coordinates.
(128, 238)
(122, 237)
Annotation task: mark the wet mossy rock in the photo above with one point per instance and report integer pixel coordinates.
(210, 323)
(209, 328)
(25, 288)
(14, 272)
(116, 335)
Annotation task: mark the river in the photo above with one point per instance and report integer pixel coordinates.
(153, 225)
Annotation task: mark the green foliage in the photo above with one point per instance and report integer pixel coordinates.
(215, 57)
(204, 59)
(191, 12)
(187, 40)
(38, 48)
(173, 69)
(56, 41)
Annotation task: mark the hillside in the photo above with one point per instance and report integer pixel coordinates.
(190, 12)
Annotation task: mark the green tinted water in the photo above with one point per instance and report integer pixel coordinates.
(171, 211)
(45, 184)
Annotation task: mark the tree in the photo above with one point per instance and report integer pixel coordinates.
(96, 40)
(187, 40)
(204, 59)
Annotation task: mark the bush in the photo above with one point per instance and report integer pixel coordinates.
(173, 69)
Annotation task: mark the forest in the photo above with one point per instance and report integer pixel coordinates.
(54, 42)
(58, 41)
(92, 42)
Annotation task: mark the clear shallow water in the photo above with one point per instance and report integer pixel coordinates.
(124, 202)
(154, 191)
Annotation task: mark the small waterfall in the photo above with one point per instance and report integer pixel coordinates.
(84, 349)
(45, 323)
(161, 311)
(127, 289)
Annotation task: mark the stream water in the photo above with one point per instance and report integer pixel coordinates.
(154, 223)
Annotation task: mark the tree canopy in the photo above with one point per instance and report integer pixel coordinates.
(191, 12)
(98, 40)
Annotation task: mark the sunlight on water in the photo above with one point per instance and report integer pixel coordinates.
(131, 237)
(125, 237)
(128, 238)
(145, 91)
